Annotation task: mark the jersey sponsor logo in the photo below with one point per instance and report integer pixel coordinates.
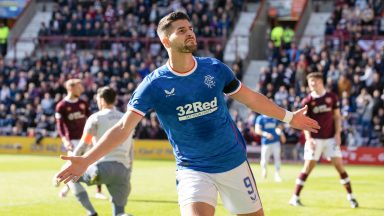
(169, 93)
(270, 125)
(321, 109)
(208, 80)
(75, 115)
(196, 109)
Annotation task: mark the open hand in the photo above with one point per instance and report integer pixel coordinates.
(73, 169)
(269, 136)
(302, 122)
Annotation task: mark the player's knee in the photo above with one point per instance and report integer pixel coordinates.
(76, 188)
(258, 213)
(119, 200)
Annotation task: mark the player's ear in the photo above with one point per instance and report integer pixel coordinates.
(165, 41)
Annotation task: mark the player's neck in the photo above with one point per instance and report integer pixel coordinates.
(181, 62)
(318, 93)
(109, 107)
(72, 97)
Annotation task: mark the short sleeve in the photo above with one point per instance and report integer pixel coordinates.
(259, 121)
(90, 126)
(59, 111)
(231, 84)
(141, 101)
(336, 103)
(305, 101)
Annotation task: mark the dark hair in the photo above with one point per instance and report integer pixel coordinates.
(108, 94)
(166, 21)
(316, 75)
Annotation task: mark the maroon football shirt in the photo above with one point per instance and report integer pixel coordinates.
(322, 109)
(71, 118)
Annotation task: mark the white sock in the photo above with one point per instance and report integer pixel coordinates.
(350, 196)
(294, 196)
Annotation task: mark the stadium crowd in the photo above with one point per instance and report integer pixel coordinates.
(137, 18)
(351, 70)
(31, 88)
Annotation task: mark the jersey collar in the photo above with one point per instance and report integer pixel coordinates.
(182, 74)
(66, 98)
(314, 95)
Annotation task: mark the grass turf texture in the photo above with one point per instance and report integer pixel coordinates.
(25, 189)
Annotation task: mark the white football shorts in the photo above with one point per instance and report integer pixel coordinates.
(267, 150)
(326, 146)
(237, 189)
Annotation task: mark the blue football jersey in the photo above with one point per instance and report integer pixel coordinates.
(192, 110)
(268, 124)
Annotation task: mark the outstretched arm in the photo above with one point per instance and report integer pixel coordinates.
(261, 104)
(76, 166)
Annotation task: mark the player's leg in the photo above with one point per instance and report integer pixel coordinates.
(197, 193)
(300, 181)
(333, 151)
(238, 191)
(64, 191)
(264, 159)
(277, 160)
(344, 180)
(117, 179)
(258, 213)
(311, 155)
(81, 195)
(119, 194)
(197, 209)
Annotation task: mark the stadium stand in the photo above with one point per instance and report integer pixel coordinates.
(352, 69)
(103, 43)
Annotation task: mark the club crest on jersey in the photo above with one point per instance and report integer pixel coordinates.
(328, 100)
(170, 92)
(208, 80)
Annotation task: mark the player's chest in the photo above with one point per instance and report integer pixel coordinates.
(270, 125)
(75, 111)
(321, 105)
(189, 89)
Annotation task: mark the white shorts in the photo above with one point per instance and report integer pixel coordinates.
(326, 146)
(237, 189)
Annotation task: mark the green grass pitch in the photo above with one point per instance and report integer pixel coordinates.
(25, 189)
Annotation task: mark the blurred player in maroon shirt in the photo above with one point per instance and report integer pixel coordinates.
(71, 115)
(323, 107)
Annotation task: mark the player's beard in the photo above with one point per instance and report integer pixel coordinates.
(187, 48)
